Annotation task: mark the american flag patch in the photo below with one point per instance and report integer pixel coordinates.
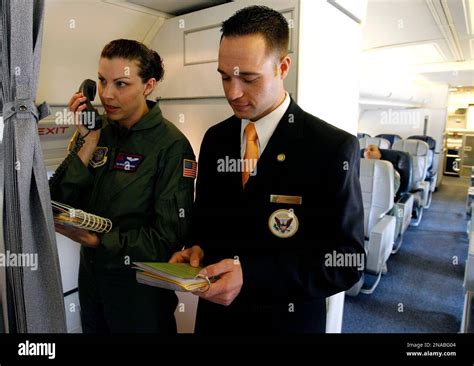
(189, 168)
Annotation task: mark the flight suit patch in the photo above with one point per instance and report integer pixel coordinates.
(128, 162)
(99, 157)
(189, 168)
(283, 223)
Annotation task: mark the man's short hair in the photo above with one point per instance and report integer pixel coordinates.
(257, 19)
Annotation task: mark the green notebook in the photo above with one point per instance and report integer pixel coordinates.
(171, 276)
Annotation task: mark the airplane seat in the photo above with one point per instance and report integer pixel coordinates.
(390, 137)
(404, 200)
(433, 160)
(418, 151)
(376, 179)
(381, 143)
(361, 135)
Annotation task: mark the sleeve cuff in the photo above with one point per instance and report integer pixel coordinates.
(109, 242)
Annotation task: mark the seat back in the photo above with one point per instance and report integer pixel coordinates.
(377, 141)
(432, 145)
(402, 163)
(376, 180)
(418, 151)
(390, 137)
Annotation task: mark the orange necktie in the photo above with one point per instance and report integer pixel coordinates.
(251, 152)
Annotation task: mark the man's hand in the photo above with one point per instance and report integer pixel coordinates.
(193, 256)
(228, 286)
(82, 236)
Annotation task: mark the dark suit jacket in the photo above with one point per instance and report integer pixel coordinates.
(286, 280)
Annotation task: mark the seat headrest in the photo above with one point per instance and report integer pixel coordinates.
(413, 147)
(402, 163)
(390, 137)
(381, 143)
(428, 139)
(361, 135)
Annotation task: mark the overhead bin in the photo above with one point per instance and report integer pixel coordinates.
(407, 94)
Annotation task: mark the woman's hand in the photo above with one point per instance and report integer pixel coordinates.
(77, 105)
(92, 138)
(81, 236)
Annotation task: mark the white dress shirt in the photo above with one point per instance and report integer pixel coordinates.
(265, 127)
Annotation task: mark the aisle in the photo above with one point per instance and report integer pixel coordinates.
(422, 291)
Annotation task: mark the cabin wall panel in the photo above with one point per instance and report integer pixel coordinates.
(73, 37)
(189, 46)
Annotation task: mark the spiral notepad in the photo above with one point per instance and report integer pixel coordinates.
(172, 276)
(67, 215)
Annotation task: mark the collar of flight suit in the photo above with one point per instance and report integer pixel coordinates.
(149, 120)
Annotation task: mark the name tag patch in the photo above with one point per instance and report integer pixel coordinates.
(128, 162)
(291, 200)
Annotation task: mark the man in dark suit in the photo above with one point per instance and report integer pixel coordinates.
(278, 215)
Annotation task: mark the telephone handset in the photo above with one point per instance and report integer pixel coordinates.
(90, 117)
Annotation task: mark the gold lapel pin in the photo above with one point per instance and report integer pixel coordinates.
(281, 157)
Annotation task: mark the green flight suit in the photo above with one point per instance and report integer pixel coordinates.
(149, 202)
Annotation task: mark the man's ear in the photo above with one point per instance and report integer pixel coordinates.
(284, 66)
(149, 87)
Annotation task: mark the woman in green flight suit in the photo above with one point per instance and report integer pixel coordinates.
(139, 172)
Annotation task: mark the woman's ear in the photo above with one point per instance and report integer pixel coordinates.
(149, 87)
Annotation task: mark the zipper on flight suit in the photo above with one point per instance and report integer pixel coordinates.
(97, 192)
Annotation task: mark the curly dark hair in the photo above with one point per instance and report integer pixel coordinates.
(263, 20)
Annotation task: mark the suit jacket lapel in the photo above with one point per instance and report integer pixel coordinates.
(223, 157)
(235, 140)
(233, 150)
(274, 157)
